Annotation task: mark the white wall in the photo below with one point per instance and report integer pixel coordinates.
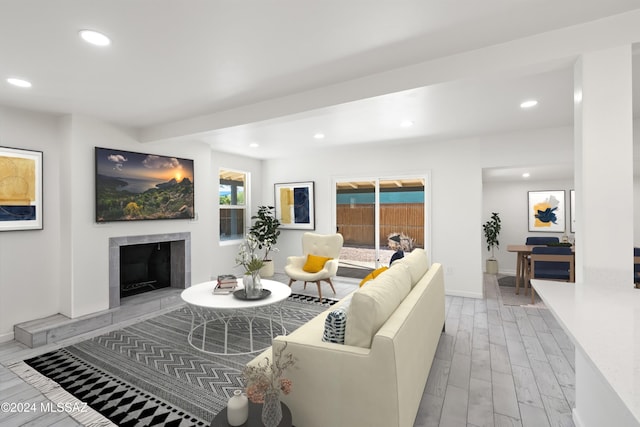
(87, 286)
(457, 202)
(64, 267)
(510, 200)
(30, 260)
(636, 182)
(636, 210)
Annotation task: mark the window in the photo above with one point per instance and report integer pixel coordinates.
(233, 204)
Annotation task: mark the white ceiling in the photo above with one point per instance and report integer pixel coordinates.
(231, 73)
(551, 172)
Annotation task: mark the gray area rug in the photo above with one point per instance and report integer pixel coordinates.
(148, 374)
(507, 287)
(507, 281)
(509, 297)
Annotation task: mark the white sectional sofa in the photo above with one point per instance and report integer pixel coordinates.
(378, 376)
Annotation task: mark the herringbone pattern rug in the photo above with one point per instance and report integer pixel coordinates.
(148, 374)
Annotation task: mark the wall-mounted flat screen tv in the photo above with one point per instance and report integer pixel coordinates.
(135, 186)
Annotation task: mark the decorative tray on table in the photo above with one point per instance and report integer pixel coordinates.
(241, 294)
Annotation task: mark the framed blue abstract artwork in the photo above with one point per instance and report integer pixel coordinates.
(20, 189)
(546, 211)
(294, 203)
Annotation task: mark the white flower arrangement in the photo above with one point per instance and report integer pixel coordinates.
(247, 256)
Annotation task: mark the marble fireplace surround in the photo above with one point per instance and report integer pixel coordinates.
(180, 260)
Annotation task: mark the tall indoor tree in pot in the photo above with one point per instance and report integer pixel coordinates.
(491, 232)
(265, 230)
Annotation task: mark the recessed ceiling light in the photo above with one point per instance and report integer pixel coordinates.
(406, 123)
(18, 82)
(319, 135)
(94, 37)
(529, 104)
(577, 97)
(254, 145)
(526, 175)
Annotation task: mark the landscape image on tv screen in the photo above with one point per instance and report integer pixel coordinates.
(136, 186)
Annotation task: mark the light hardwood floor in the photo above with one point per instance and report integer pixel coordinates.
(499, 365)
(495, 365)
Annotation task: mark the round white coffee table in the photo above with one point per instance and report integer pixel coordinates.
(207, 307)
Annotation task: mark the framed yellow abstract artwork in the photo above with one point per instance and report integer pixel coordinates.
(20, 189)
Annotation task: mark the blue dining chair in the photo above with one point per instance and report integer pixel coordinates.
(551, 263)
(536, 240)
(541, 240)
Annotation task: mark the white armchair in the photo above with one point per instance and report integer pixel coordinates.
(324, 245)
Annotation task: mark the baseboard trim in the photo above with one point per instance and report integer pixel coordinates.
(576, 418)
(465, 294)
(7, 337)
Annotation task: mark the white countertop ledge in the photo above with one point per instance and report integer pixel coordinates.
(604, 321)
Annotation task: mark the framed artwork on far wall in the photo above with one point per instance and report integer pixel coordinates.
(20, 189)
(572, 201)
(546, 211)
(295, 207)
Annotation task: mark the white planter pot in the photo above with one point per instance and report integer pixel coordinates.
(268, 269)
(492, 266)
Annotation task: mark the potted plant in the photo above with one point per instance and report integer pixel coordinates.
(491, 232)
(265, 231)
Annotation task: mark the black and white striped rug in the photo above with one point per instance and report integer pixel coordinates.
(148, 374)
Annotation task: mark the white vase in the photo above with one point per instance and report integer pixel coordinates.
(237, 409)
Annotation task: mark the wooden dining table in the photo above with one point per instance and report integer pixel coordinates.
(523, 252)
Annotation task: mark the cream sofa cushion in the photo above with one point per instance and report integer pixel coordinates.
(417, 262)
(372, 305)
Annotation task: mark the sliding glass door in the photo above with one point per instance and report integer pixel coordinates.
(402, 216)
(377, 217)
(356, 221)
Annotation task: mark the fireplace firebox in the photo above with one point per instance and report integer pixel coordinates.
(148, 262)
(144, 268)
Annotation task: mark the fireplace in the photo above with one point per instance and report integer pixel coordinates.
(145, 263)
(144, 268)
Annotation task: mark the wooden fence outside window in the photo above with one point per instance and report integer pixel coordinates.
(355, 223)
